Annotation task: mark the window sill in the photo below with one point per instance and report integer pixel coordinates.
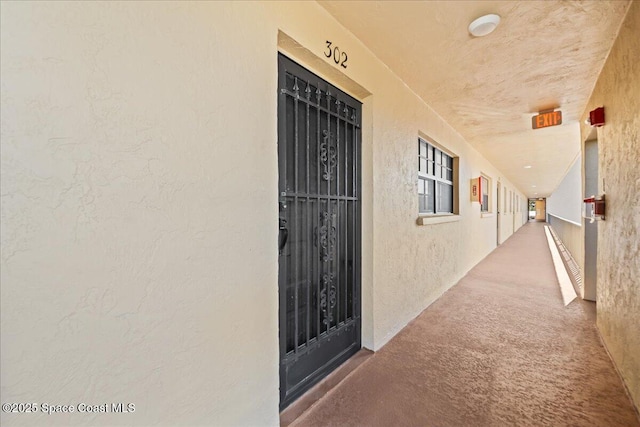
(486, 214)
(437, 219)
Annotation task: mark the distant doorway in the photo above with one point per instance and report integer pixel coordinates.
(531, 209)
(541, 210)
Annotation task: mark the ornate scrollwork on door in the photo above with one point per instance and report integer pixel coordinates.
(327, 302)
(327, 236)
(328, 155)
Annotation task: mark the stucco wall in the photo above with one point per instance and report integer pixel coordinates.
(414, 265)
(618, 287)
(139, 205)
(137, 191)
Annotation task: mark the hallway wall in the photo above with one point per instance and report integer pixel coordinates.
(564, 211)
(618, 286)
(566, 202)
(139, 214)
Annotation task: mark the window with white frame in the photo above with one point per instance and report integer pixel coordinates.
(485, 187)
(435, 179)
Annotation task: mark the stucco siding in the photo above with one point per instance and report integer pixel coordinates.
(618, 284)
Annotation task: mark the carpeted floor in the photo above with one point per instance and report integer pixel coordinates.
(498, 349)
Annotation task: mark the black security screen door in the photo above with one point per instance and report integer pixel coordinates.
(319, 241)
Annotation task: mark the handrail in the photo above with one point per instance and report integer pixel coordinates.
(565, 219)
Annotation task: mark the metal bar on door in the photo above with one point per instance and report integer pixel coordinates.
(308, 232)
(296, 281)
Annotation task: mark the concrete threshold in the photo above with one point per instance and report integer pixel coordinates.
(315, 393)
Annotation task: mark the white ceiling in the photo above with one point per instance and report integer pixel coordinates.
(544, 54)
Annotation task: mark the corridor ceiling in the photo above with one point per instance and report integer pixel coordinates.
(544, 54)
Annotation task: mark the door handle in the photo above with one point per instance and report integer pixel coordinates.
(283, 235)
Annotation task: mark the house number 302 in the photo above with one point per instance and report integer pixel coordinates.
(340, 58)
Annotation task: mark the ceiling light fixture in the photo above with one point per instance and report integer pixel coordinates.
(528, 167)
(484, 25)
(533, 186)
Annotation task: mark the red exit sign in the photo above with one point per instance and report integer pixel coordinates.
(546, 119)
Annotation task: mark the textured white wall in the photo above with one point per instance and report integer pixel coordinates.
(618, 284)
(138, 182)
(566, 200)
(414, 265)
(139, 206)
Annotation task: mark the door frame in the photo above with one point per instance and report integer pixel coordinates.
(333, 363)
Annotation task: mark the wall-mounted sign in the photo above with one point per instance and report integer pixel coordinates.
(546, 119)
(476, 190)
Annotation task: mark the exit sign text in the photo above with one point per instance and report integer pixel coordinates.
(543, 120)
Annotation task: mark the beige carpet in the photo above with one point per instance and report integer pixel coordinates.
(498, 349)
